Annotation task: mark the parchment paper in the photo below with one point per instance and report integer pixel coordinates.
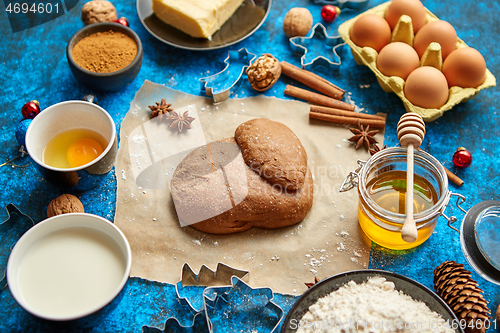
(327, 242)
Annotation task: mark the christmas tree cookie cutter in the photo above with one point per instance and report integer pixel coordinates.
(221, 85)
(224, 292)
(256, 307)
(11, 230)
(349, 4)
(206, 277)
(313, 48)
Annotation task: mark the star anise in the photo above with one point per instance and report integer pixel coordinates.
(309, 284)
(376, 149)
(363, 136)
(160, 109)
(179, 121)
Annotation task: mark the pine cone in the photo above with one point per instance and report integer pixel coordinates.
(455, 286)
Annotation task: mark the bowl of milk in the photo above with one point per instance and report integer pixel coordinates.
(69, 266)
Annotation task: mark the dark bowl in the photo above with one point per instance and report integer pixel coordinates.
(113, 81)
(408, 286)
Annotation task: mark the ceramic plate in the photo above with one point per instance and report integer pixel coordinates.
(244, 22)
(410, 287)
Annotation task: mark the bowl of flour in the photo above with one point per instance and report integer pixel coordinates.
(370, 301)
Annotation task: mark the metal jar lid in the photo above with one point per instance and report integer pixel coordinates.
(480, 239)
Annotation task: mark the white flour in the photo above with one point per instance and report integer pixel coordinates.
(371, 307)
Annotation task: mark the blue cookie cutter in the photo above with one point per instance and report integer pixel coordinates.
(314, 47)
(221, 85)
(349, 4)
(11, 230)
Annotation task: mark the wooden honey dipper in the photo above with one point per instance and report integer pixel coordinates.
(411, 131)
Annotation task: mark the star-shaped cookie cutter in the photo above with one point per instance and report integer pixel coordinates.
(350, 4)
(317, 44)
(11, 230)
(221, 85)
(225, 291)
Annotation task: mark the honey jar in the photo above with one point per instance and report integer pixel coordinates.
(381, 183)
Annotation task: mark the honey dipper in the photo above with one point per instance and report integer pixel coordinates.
(411, 131)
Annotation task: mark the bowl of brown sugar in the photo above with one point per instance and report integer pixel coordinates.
(105, 56)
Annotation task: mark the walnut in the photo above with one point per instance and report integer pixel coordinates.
(98, 11)
(298, 21)
(264, 72)
(64, 204)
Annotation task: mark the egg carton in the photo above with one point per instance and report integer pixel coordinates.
(403, 32)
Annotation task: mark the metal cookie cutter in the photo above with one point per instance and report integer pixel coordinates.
(256, 307)
(206, 277)
(219, 86)
(224, 283)
(11, 230)
(314, 48)
(350, 4)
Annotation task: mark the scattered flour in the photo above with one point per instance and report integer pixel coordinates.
(371, 307)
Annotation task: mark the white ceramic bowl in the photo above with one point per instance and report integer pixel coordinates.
(65, 116)
(69, 266)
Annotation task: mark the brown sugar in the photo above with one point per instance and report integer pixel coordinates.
(105, 52)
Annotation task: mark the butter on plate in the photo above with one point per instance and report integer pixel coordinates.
(199, 19)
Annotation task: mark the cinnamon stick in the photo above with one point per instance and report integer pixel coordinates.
(347, 120)
(311, 80)
(318, 99)
(339, 112)
(453, 178)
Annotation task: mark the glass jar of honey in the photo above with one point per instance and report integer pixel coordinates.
(381, 183)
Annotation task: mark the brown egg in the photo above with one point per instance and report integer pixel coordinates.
(397, 59)
(465, 67)
(371, 30)
(436, 31)
(413, 8)
(426, 87)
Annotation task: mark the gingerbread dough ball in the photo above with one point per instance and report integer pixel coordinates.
(98, 11)
(298, 21)
(64, 204)
(272, 150)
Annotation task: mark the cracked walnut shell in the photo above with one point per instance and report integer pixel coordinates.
(98, 11)
(64, 204)
(264, 72)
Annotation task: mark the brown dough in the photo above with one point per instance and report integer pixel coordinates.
(272, 150)
(215, 191)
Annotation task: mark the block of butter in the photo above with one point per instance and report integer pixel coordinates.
(200, 19)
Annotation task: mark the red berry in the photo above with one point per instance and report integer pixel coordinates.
(329, 13)
(122, 21)
(31, 109)
(462, 158)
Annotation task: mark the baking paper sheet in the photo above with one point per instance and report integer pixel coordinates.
(327, 242)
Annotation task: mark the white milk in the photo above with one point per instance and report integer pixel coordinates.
(70, 271)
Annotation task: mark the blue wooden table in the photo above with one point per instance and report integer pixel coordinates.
(33, 66)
